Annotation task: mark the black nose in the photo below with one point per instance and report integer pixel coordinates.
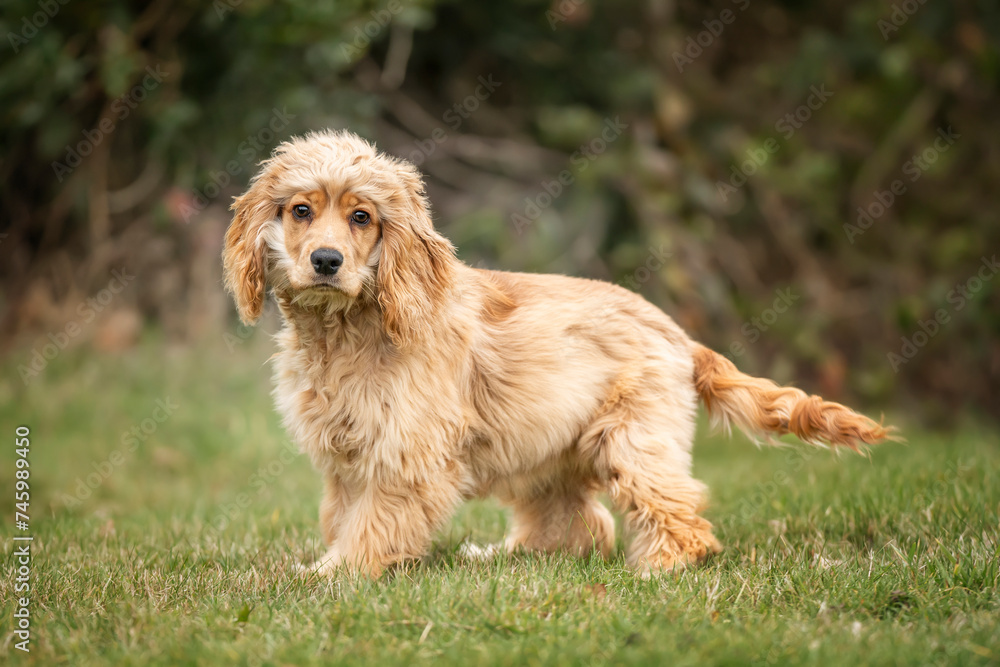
(326, 261)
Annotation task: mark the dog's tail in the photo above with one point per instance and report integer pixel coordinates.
(762, 408)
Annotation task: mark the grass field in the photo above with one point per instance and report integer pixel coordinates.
(177, 543)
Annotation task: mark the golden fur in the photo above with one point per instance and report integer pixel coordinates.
(415, 382)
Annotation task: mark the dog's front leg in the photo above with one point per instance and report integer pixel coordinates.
(388, 523)
(331, 508)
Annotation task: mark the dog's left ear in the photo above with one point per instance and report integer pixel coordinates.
(244, 257)
(417, 265)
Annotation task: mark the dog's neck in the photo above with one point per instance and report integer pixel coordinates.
(326, 327)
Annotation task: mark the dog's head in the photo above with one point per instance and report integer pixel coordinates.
(328, 221)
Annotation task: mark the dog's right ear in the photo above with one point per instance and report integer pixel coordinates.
(416, 266)
(244, 258)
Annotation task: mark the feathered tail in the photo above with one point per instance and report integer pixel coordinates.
(761, 407)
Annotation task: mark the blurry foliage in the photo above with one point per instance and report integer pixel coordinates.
(152, 192)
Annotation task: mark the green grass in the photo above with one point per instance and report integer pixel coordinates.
(830, 560)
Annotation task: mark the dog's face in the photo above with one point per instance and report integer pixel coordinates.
(330, 242)
(328, 221)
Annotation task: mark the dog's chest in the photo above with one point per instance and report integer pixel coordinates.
(360, 413)
(333, 405)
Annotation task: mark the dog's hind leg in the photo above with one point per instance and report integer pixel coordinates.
(569, 519)
(639, 445)
(661, 514)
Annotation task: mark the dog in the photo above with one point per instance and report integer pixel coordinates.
(415, 382)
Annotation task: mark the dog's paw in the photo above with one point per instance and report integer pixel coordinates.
(472, 551)
(314, 570)
(303, 570)
(671, 561)
(323, 566)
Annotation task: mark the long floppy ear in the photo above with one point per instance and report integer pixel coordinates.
(244, 258)
(417, 265)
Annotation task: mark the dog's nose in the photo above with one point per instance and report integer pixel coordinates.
(326, 261)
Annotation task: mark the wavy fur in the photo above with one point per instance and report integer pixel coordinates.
(414, 381)
(762, 408)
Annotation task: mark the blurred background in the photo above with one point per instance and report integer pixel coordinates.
(808, 187)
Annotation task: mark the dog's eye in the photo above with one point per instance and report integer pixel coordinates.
(360, 218)
(301, 211)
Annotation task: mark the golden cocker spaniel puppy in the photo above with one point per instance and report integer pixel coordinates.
(415, 382)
